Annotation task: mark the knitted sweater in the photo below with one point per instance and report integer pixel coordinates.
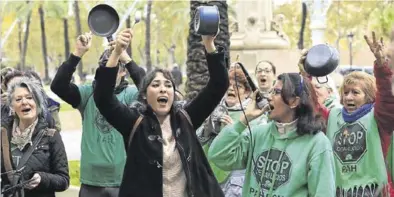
(174, 178)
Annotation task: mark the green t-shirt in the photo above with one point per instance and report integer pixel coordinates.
(295, 166)
(359, 162)
(103, 153)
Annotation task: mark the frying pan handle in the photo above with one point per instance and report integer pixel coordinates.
(110, 38)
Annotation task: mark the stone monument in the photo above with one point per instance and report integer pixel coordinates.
(318, 15)
(256, 32)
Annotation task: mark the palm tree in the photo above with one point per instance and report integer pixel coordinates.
(147, 36)
(196, 65)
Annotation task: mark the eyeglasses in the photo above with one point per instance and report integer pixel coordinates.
(276, 91)
(266, 71)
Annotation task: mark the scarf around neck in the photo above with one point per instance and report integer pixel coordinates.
(360, 112)
(21, 138)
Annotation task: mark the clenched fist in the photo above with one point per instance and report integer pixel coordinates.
(83, 44)
(123, 41)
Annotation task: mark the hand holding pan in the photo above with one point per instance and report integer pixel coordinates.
(103, 21)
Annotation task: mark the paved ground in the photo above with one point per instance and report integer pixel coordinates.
(72, 142)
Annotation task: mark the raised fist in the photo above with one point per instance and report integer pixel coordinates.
(123, 41)
(83, 44)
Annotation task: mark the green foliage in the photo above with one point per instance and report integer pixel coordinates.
(74, 169)
(292, 23)
(383, 19)
(343, 17)
(170, 27)
(66, 107)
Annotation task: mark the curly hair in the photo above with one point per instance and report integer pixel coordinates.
(295, 85)
(35, 88)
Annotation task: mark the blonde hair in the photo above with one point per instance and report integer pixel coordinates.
(366, 81)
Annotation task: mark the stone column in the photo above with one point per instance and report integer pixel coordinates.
(258, 32)
(318, 15)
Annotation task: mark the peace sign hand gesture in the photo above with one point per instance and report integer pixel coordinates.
(377, 48)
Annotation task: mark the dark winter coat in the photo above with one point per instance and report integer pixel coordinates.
(49, 160)
(143, 174)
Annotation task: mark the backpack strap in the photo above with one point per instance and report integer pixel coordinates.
(31, 149)
(5, 145)
(135, 126)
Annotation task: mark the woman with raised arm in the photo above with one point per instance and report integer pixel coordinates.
(164, 156)
(360, 130)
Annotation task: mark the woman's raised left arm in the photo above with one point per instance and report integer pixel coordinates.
(210, 96)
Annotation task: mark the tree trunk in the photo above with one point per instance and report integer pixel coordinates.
(147, 38)
(25, 41)
(79, 32)
(196, 64)
(128, 25)
(44, 44)
(20, 46)
(66, 40)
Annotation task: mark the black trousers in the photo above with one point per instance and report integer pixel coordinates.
(94, 191)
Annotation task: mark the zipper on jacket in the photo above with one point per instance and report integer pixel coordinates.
(188, 170)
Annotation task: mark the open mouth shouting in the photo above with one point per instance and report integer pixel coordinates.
(162, 100)
(350, 107)
(263, 82)
(231, 95)
(26, 110)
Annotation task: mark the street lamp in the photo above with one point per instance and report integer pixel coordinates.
(350, 39)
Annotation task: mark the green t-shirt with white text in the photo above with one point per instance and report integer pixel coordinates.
(103, 154)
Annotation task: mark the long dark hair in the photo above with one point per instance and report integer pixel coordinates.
(149, 78)
(295, 85)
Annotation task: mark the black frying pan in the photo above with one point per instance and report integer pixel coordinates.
(103, 21)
